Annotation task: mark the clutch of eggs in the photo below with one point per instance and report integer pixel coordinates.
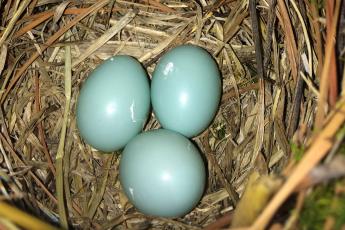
(113, 103)
(161, 171)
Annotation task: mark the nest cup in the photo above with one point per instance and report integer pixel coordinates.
(267, 117)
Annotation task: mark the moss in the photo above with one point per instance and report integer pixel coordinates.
(340, 136)
(319, 3)
(297, 151)
(315, 209)
(341, 133)
(221, 133)
(320, 204)
(338, 211)
(341, 149)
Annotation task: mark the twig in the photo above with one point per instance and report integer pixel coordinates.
(220, 223)
(296, 106)
(324, 82)
(318, 149)
(22, 219)
(60, 152)
(317, 35)
(257, 38)
(270, 28)
(289, 36)
(261, 74)
(333, 81)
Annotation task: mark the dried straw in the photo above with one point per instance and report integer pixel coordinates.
(276, 68)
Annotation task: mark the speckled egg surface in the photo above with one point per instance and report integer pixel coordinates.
(162, 173)
(113, 103)
(186, 90)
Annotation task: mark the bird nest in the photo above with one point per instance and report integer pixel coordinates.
(281, 109)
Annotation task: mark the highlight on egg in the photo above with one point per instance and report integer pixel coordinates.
(113, 104)
(186, 90)
(162, 173)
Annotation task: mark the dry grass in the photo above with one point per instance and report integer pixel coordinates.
(292, 97)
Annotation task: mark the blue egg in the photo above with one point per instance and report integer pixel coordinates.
(113, 104)
(186, 90)
(162, 173)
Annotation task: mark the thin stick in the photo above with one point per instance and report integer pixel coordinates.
(290, 39)
(260, 70)
(270, 28)
(60, 152)
(333, 83)
(324, 82)
(257, 38)
(319, 148)
(22, 219)
(306, 37)
(317, 35)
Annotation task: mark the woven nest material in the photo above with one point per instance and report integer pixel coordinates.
(275, 75)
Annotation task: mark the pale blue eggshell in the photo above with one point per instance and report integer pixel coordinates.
(162, 173)
(113, 103)
(186, 90)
